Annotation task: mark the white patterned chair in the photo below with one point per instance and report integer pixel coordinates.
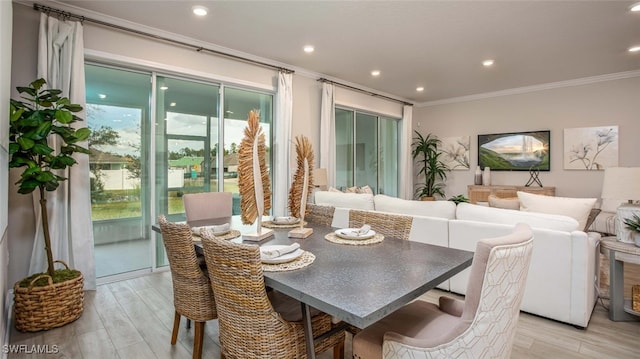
(481, 326)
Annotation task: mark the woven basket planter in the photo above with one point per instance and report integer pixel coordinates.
(51, 306)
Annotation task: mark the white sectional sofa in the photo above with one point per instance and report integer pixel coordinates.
(563, 272)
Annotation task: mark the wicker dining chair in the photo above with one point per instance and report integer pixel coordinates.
(252, 323)
(192, 294)
(389, 225)
(320, 214)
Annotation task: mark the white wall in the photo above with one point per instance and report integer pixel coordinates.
(614, 102)
(5, 90)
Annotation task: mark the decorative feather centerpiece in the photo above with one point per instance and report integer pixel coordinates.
(253, 178)
(302, 185)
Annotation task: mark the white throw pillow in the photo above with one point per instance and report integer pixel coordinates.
(345, 200)
(577, 208)
(504, 203)
(441, 209)
(474, 212)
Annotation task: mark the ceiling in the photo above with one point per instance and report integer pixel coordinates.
(439, 45)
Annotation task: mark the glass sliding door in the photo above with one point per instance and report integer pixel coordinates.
(117, 112)
(367, 151)
(237, 105)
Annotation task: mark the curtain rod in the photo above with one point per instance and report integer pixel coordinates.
(67, 15)
(322, 79)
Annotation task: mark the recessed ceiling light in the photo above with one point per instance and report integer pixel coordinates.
(375, 73)
(634, 49)
(635, 7)
(487, 63)
(101, 95)
(308, 49)
(173, 104)
(420, 89)
(164, 88)
(200, 10)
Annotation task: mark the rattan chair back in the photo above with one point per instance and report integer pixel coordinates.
(389, 225)
(249, 326)
(192, 294)
(319, 214)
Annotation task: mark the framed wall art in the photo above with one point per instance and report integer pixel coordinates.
(590, 148)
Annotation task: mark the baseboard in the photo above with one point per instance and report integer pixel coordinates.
(8, 312)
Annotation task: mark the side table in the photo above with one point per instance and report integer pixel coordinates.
(619, 252)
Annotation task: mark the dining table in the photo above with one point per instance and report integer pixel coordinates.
(357, 284)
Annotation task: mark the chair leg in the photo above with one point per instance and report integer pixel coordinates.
(198, 338)
(338, 351)
(176, 326)
(188, 323)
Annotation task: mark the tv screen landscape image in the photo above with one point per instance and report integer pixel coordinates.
(516, 151)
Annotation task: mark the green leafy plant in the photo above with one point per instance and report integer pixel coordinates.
(459, 199)
(633, 223)
(425, 150)
(43, 114)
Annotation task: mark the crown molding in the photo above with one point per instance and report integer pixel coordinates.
(534, 88)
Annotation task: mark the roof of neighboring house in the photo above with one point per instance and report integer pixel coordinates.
(100, 157)
(186, 161)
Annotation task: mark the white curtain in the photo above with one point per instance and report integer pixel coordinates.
(284, 115)
(61, 64)
(328, 132)
(406, 162)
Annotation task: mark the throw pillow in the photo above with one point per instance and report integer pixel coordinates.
(351, 190)
(365, 189)
(505, 203)
(333, 189)
(577, 208)
(592, 217)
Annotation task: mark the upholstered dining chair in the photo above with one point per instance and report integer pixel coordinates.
(389, 225)
(481, 326)
(192, 295)
(207, 205)
(252, 323)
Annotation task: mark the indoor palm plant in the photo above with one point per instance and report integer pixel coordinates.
(425, 151)
(54, 298)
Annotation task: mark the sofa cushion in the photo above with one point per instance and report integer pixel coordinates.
(577, 208)
(441, 209)
(345, 200)
(472, 212)
(505, 203)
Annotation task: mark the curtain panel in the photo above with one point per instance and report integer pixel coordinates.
(61, 64)
(406, 162)
(284, 114)
(328, 132)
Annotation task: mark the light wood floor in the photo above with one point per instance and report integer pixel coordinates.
(133, 319)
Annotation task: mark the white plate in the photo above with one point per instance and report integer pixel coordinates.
(283, 258)
(348, 233)
(285, 220)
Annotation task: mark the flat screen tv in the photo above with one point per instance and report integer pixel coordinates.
(516, 151)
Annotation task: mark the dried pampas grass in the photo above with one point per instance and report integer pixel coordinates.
(253, 177)
(297, 193)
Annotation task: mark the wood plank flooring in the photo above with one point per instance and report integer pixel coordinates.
(133, 319)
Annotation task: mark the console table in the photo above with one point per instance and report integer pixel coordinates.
(481, 193)
(619, 252)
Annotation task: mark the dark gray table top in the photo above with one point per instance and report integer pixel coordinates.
(362, 284)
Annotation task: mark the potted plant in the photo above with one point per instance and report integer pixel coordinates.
(425, 150)
(459, 199)
(633, 224)
(52, 299)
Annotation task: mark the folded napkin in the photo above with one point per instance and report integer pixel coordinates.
(360, 231)
(223, 228)
(275, 253)
(284, 220)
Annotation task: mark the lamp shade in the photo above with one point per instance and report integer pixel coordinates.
(320, 178)
(621, 183)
